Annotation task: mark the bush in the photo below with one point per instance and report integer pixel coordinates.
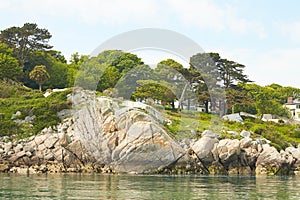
(258, 129)
(31, 103)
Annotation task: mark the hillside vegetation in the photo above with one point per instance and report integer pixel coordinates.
(218, 85)
(15, 97)
(190, 124)
(186, 124)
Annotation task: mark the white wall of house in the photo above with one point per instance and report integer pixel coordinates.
(295, 110)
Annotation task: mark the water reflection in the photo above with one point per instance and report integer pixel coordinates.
(87, 186)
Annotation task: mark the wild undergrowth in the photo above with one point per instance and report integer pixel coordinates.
(29, 103)
(190, 124)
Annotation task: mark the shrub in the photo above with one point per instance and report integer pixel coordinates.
(31, 103)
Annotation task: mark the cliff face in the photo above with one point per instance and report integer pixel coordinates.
(108, 135)
(124, 135)
(102, 134)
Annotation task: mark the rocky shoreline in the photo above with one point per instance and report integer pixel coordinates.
(104, 135)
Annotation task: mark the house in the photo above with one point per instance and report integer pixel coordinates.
(294, 107)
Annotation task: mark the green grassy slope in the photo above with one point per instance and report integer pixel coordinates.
(29, 102)
(185, 123)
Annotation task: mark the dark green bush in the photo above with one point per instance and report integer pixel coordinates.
(29, 103)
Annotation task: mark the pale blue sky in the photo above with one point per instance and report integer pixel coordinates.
(263, 35)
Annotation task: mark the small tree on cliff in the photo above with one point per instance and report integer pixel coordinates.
(40, 75)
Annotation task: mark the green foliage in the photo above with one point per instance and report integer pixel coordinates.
(74, 67)
(9, 67)
(280, 135)
(9, 88)
(105, 70)
(129, 81)
(25, 39)
(154, 89)
(204, 75)
(58, 76)
(269, 99)
(164, 83)
(57, 69)
(40, 75)
(239, 100)
(231, 72)
(119, 73)
(29, 103)
(109, 78)
(258, 129)
(58, 56)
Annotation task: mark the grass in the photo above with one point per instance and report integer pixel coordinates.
(190, 124)
(29, 102)
(187, 124)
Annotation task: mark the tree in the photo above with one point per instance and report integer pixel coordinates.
(211, 74)
(106, 69)
(25, 39)
(238, 99)
(59, 75)
(58, 56)
(76, 62)
(118, 64)
(205, 78)
(266, 101)
(75, 58)
(177, 76)
(282, 93)
(56, 67)
(156, 90)
(40, 75)
(109, 78)
(9, 67)
(125, 61)
(128, 83)
(231, 72)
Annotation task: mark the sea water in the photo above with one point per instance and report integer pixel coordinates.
(96, 186)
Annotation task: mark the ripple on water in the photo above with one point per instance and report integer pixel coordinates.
(88, 186)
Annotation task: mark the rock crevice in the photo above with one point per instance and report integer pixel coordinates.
(111, 136)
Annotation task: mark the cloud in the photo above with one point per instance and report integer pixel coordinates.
(209, 15)
(276, 66)
(199, 15)
(113, 12)
(238, 24)
(291, 30)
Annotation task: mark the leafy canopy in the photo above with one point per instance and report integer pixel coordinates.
(9, 67)
(25, 39)
(40, 75)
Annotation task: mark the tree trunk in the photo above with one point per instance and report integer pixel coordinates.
(173, 105)
(181, 97)
(206, 106)
(261, 116)
(40, 87)
(222, 108)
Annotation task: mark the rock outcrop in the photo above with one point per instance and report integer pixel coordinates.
(107, 135)
(102, 135)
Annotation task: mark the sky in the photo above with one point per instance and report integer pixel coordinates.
(262, 35)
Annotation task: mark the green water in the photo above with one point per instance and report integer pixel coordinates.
(86, 186)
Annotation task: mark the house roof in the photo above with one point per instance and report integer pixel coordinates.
(294, 102)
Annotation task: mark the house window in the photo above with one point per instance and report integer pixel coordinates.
(293, 112)
(298, 106)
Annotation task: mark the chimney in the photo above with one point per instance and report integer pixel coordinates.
(290, 100)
